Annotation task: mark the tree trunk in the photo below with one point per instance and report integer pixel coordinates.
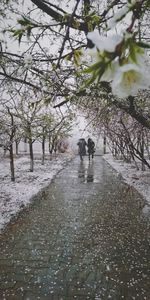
(104, 145)
(142, 151)
(12, 134)
(43, 150)
(31, 156)
(49, 143)
(25, 145)
(12, 169)
(17, 144)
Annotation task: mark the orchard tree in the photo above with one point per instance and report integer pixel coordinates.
(62, 30)
(44, 123)
(106, 44)
(27, 110)
(126, 137)
(60, 131)
(8, 135)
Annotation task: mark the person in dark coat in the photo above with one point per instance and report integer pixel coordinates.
(82, 147)
(91, 148)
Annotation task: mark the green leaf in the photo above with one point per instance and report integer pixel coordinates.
(97, 71)
(18, 34)
(143, 45)
(24, 21)
(133, 53)
(93, 67)
(77, 56)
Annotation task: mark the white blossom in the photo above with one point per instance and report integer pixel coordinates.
(128, 79)
(118, 16)
(121, 13)
(104, 43)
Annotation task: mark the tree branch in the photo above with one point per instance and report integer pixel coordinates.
(20, 80)
(133, 113)
(59, 17)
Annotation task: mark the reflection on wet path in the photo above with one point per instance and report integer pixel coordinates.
(83, 238)
(86, 171)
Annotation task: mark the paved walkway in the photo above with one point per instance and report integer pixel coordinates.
(83, 238)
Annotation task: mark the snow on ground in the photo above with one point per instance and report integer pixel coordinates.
(139, 179)
(16, 195)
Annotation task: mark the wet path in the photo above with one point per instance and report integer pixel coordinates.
(83, 238)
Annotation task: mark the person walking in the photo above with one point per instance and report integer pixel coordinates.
(91, 148)
(82, 147)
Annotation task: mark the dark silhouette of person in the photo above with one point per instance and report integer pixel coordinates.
(91, 148)
(82, 147)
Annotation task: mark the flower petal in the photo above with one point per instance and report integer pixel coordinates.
(104, 43)
(128, 80)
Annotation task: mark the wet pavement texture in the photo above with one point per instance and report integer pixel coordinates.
(84, 237)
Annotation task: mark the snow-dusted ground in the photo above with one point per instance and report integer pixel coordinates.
(140, 180)
(16, 195)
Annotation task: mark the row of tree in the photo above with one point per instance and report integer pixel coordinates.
(126, 137)
(26, 119)
(44, 56)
